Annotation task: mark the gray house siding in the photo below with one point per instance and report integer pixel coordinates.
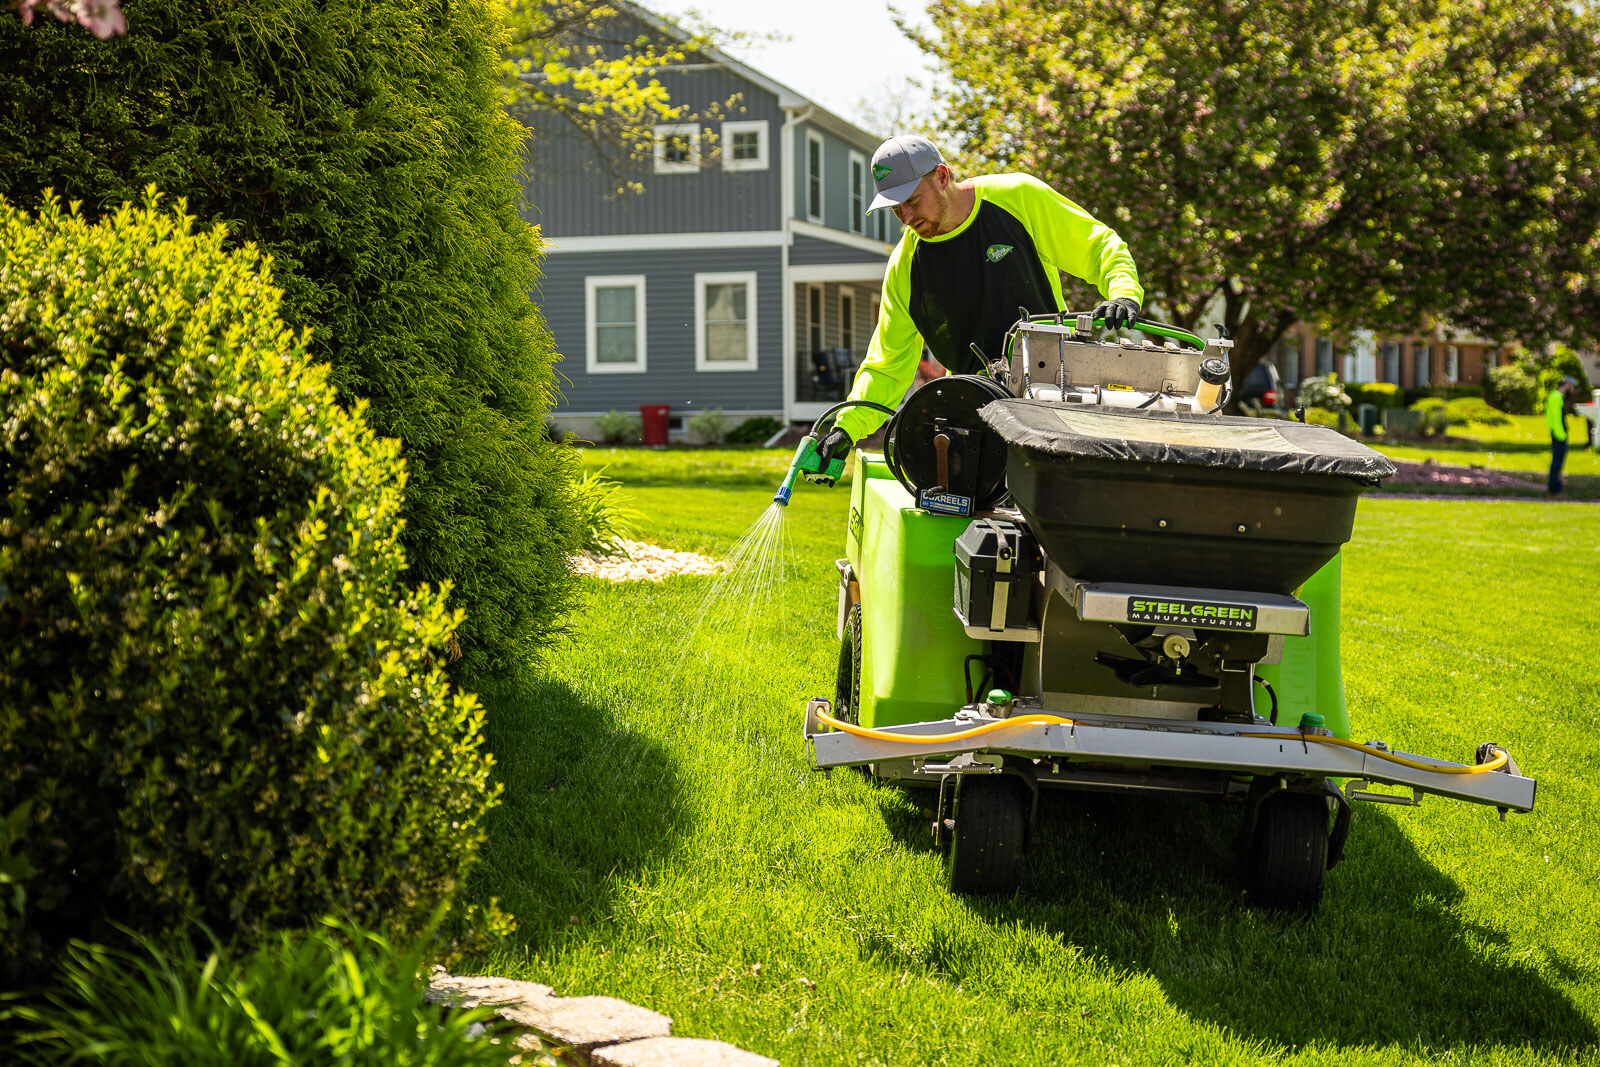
(568, 194)
(671, 377)
(806, 251)
(836, 205)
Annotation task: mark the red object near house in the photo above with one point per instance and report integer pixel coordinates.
(654, 418)
(1270, 398)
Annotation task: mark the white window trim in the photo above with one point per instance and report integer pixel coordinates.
(822, 318)
(701, 363)
(858, 213)
(844, 324)
(666, 166)
(592, 351)
(812, 137)
(731, 128)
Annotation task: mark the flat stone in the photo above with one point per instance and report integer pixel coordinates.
(472, 991)
(677, 1052)
(585, 1022)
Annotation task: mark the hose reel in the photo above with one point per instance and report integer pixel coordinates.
(942, 452)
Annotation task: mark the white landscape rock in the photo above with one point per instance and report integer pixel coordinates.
(645, 562)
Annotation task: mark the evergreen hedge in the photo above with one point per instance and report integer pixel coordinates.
(217, 700)
(362, 145)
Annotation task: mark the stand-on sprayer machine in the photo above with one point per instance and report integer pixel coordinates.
(1145, 599)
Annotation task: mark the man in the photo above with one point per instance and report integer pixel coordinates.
(971, 254)
(1555, 417)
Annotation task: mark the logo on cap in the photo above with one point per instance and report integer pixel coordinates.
(880, 171)
(997, 252)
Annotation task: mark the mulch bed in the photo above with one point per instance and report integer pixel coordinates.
(1430, 473)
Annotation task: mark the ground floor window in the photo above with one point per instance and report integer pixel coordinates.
(614, 320)
(1324, 356)
(725, 321)
(1452, 363)
(1288, 361)
(1390, 369)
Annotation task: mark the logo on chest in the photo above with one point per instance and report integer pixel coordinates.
(996, 253)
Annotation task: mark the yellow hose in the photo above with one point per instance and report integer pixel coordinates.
(1055, 720)
(960, 735)
(1494, 764)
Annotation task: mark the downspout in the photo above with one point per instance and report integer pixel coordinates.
(795, 116)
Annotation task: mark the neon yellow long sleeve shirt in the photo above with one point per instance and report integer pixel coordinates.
(1555, 415)
(964, 288)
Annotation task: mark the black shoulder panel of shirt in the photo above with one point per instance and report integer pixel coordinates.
(967, 290)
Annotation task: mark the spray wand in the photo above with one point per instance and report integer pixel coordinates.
(808, 459)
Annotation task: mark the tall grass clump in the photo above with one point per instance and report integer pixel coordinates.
(220, 699)
(330, 995)
(363, 146)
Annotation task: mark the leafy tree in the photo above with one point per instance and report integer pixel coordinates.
(361, 144)
(1353, 165)
(588, 68)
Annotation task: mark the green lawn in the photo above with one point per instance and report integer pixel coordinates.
(1524, 445)
(663, 839)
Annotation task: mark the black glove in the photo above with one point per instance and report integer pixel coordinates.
(836, 445)
(1117, 313)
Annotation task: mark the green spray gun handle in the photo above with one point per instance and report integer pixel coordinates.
(808, 461)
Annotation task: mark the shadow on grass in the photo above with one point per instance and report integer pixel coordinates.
(587, 803)
(1148, 884)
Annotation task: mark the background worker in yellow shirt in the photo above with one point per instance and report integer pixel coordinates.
(971, 254)
(1555, 417)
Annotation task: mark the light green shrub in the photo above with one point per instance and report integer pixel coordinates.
(1470, 409)
(222, 698)
(617, 427)
(708, 426)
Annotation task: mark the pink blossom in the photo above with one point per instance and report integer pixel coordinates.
(103, 18)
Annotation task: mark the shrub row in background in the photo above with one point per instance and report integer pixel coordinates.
(362, 144)
(220, 699)
(1379, 394)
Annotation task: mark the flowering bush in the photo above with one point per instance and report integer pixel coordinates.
(1325, 392)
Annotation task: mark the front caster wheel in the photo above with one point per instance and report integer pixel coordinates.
(1288, 856)
(991, 824)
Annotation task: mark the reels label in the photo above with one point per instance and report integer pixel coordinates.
(1192, 613)
(945, 503)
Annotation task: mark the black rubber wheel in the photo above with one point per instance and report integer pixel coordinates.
(847, 690)
(1288, 857)
(991, 826)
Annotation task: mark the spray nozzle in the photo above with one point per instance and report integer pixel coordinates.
(808, 461)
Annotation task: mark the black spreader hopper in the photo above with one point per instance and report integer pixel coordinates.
(1181, 499)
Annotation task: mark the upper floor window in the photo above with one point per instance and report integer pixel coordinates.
(677, 148)
(744, 145)
(614, 317)
(725, 321)
(858, 194)
(813, 176)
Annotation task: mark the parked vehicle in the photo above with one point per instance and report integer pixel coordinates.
(1261, 391)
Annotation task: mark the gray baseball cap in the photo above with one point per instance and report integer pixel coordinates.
(898, 165)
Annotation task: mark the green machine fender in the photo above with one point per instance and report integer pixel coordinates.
(1309, 678)
(913, 646)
